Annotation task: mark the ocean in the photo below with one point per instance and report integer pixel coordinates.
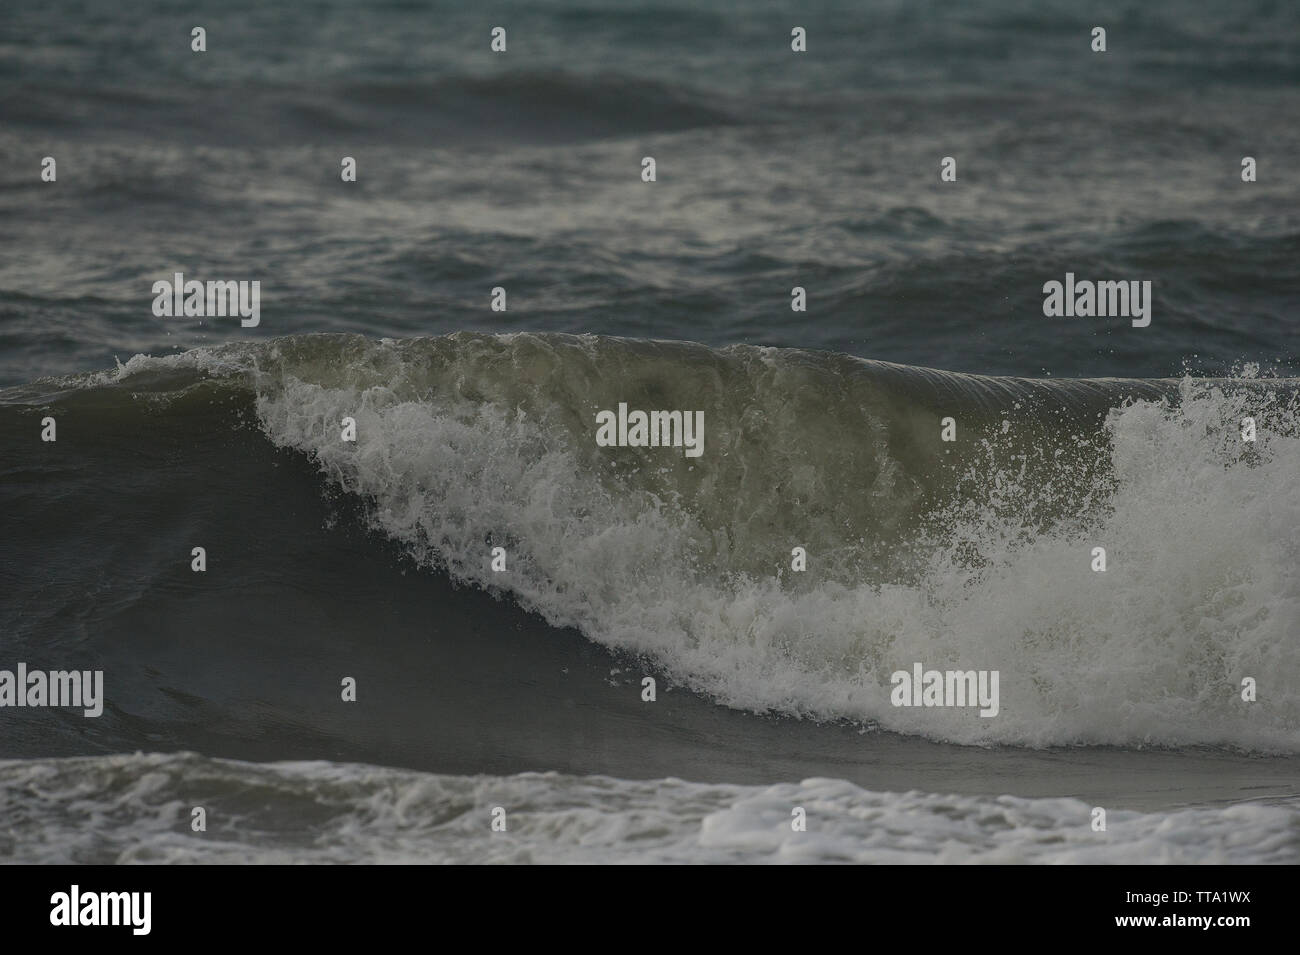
(430, 597)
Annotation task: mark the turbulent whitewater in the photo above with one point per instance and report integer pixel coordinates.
(314, 812)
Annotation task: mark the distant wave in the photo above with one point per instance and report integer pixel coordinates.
(539, 105)
(967, 554)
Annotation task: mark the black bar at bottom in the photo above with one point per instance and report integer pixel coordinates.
(328, 905)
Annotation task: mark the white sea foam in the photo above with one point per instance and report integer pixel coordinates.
(317, 812)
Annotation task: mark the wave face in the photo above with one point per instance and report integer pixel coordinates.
(973, 554)
(347, 813)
